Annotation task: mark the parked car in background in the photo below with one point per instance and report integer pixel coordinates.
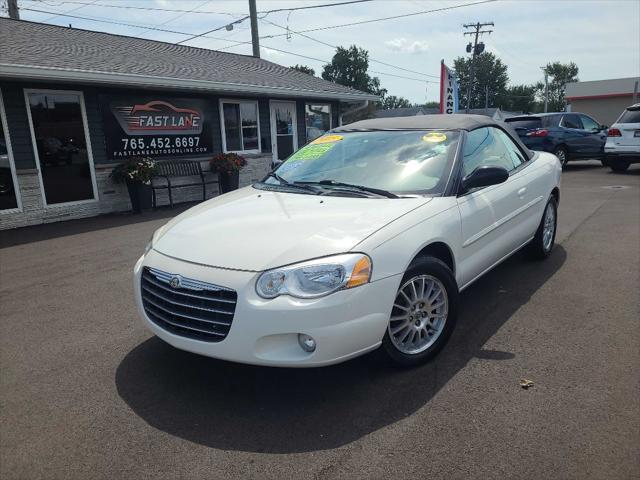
(363, 238)
(568, 135)
(623, 140)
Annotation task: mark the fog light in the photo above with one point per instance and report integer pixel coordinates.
(307, 343)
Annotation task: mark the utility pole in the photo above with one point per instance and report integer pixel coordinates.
(255, 40)
(12, 6)
(546, 88)
(477, 49)
(486, 97)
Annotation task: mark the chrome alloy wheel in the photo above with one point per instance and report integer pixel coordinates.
(419, 314)
(549, 227)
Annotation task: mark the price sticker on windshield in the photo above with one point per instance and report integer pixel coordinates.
(312, 151)
(327, 139)
(434, 137)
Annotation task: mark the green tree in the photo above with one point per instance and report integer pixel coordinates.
(490, 73)
(349, 67)
(559, 75)
(391, 101)
(518, 98)
(303, 69)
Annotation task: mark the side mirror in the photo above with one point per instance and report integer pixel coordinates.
(483, 177)
(275, 164)
(604, 127)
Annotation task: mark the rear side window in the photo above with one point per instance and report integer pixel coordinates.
(514, 152)
(551, 121)
(572, 121)
(630, 116)
(483, 147)
(524, 123)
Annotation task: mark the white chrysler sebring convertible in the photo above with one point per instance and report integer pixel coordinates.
(363, 238)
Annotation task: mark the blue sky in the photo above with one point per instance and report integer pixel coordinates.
(602, 37)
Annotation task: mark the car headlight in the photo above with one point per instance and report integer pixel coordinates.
(316, 278)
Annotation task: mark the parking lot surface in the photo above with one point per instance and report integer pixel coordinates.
(87, 392)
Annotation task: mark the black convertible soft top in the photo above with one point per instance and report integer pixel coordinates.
(437, 122)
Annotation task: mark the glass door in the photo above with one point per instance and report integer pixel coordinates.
(60, 139)
(284, 136)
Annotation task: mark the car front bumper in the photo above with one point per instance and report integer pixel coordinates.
(344, 324)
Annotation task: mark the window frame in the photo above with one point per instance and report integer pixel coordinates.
(12, 165)
(591, 130)
(562, 124)
(323, 104)
(85, 125)
(457, 175)
(223, 131)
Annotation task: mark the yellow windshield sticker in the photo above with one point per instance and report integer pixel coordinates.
(434, 137)
(327, 139)
(311, 151)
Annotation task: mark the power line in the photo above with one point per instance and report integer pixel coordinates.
(334, 46)
(177, 10)
(214, 38)
(362, 22)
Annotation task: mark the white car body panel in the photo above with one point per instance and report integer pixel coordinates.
(256, 230)
(230, 240)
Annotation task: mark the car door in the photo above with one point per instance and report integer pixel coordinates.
(490, 224)
(574, 134)
(595, 137)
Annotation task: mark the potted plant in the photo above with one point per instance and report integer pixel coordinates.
(137, 174)
(227, 166)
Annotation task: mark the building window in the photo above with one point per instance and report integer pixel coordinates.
(240, 126)
(9, 198)
(317, 119)
(60, 142)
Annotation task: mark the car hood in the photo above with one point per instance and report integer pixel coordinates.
(255, 230)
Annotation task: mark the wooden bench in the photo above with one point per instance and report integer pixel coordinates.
(168, 169)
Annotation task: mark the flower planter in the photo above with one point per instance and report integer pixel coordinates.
(140, 196)
(229, 181)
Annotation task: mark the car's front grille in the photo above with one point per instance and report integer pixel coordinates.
(187, 307)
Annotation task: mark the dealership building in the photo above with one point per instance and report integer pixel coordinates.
(604, 100)
(74, 103)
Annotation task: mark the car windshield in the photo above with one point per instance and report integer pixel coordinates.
(402, 162)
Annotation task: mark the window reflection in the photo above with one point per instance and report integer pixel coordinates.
(61, 145)
(317, 120)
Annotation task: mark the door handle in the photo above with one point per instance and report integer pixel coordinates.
(522, 191)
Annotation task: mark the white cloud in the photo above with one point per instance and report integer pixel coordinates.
(418, 47)
(397, 44)
(403, 45)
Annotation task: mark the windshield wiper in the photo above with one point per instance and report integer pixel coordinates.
(297, 185)
(351, 186)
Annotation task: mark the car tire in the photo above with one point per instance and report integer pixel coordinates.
(563, 155)
(542, 244)
(423, 315)
(619, 166)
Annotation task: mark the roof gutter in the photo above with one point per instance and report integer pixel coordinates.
(110, 78)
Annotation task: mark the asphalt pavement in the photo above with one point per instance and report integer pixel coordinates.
(86, 392)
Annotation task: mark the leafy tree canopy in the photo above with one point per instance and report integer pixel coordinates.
(303, 69)
(349, 67)
(518, 98)
(489, 72)
(559, 75)
(391, 101)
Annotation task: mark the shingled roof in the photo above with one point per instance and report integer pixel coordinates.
(49, 52)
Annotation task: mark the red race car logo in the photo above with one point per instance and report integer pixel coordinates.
(158, 117)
